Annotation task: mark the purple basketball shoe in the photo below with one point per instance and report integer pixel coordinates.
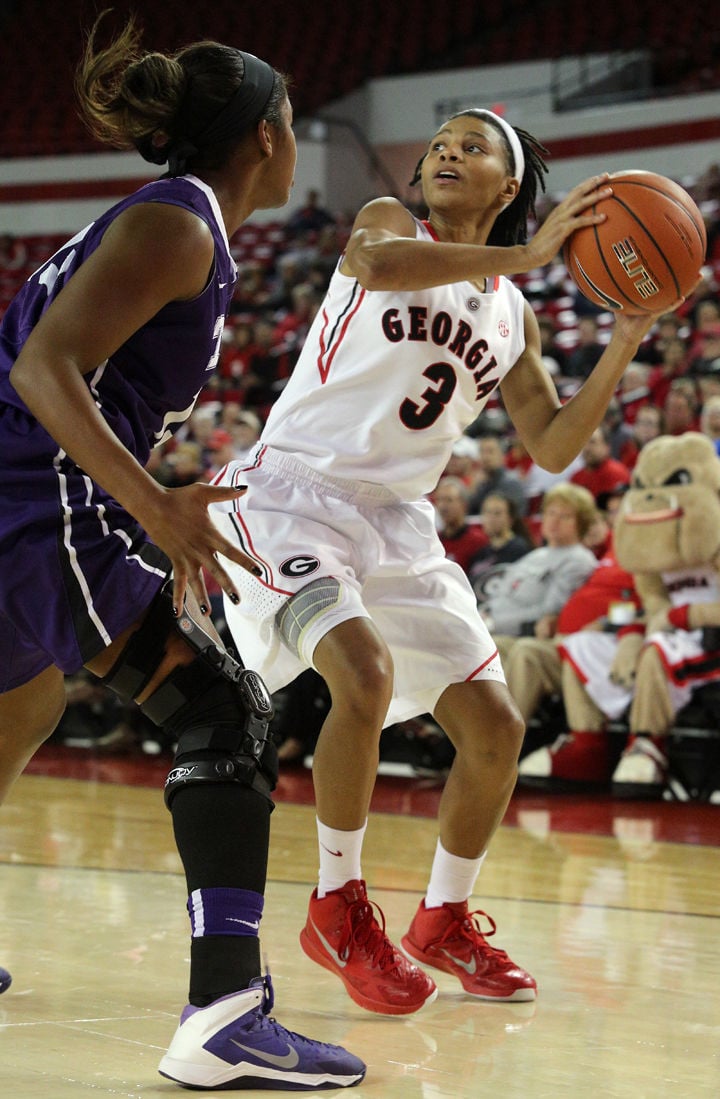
(235, 1043)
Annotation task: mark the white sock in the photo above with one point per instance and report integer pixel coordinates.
(339, 856)
(452, 878)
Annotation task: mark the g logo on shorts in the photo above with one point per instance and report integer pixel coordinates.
(302, 565)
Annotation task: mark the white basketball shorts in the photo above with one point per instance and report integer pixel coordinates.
(300, 526)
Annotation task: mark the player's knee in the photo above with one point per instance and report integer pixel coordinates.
(366, 685)
(483, 722)
(216, 710)
(505, 734)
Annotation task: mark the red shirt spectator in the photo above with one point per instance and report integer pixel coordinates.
(461, 540)
(634, 391)
(601, 474)
(673, 364)
(647, 426)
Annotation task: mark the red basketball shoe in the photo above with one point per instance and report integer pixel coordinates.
(343, 935)
(449, 938)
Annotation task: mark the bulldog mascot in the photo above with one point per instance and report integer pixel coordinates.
(667, 535)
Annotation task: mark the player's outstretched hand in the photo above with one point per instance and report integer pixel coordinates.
(570, 214)
(181, 526)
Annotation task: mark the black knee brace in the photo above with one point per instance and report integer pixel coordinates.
(218, 711)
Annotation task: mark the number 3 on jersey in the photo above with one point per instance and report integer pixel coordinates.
(416, 416)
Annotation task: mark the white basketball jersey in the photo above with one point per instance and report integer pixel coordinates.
(387, 381)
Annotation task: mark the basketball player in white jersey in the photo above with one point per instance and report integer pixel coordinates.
(419, 326)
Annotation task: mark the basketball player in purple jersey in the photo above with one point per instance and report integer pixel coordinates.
(102, 355)
(419, 326)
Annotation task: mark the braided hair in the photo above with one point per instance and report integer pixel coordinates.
(511, 226)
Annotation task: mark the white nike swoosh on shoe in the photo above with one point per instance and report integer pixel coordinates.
(469, 967)
(333, 953)
(287, 1060)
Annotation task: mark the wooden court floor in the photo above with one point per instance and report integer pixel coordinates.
(614, 908)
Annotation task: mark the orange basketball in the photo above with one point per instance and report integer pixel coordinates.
(647, 253)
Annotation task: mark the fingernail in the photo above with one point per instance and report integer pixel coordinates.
(234, 598)
(175, 610)
(256, 571)
(203, 608)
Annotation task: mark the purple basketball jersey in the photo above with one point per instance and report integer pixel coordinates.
(150, 384)
(75, 568)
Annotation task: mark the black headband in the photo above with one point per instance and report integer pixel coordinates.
(243, 109)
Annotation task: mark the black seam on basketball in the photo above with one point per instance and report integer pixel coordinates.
(659, 191)
(600, 252)
(610, 303)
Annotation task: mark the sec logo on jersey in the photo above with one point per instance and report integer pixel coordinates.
(300, 565)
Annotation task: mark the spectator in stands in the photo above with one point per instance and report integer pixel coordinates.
(507, 540)
(598, 535)
(648, 425)
(292, 328)
(464, 461)
(290, 268)
(245, 430)
(528, 597)
(553, 356)
(320, 271)
(461, 540)
(199, 426)
(617, 428)
(708, 385)
(13, 253)
(102, 353)
(494, 476)
(235, 355)
(673, 364)
(706, 359)
(693, 311)
(326, 251)
(601, 473)
(670, 326)
(517, 458)
(582, 359)
(252, 290)
(710, 420)
(634, 390)
(680, 410)
(705, 316)
(535, 669)
(650, 668)
(538, 480)
(311, 217)
(221, 448)
(269, 367)
(183, 465)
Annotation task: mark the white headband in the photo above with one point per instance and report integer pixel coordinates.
(512, 137)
